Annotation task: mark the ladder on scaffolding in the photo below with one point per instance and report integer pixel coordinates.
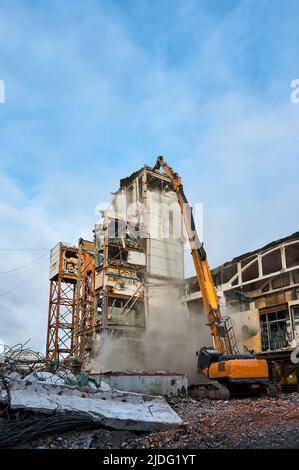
(227, 335)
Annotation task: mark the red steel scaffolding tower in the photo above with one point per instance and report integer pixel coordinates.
(62, 302)
(72, 300)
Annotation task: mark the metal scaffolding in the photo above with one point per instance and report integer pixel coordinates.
(62, 303)
(85, 305)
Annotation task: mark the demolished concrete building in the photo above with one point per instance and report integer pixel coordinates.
(139, 246)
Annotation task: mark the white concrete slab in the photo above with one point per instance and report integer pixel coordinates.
(113, 408)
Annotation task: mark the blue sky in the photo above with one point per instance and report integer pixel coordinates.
(96, 89)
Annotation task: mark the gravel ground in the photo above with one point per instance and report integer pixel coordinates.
(247, 423)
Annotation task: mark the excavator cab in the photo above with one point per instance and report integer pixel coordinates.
(205, 357)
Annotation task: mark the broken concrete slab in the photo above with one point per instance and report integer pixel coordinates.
(113, 408)
(45, 377)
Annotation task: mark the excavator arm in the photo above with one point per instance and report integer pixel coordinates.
(220, 327)
(227, 371)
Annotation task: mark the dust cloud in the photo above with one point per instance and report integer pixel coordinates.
(169, 343)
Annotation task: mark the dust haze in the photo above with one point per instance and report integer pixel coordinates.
(169, 343)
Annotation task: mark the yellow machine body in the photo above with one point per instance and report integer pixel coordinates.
(239, 369)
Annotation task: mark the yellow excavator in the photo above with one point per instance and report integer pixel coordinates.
(223, 371)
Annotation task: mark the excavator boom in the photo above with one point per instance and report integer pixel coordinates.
(221, 328)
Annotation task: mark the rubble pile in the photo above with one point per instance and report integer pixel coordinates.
(243, 423)
(91, 439)
(35, 402)
(44, 405)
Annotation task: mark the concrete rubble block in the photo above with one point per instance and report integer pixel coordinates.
(113, 408)
(3, 396)
(6, 377)
(45, 377)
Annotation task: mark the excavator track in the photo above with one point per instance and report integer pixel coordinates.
(212, 390)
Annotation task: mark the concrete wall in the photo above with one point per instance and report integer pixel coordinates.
(155, 384)
(165, 248)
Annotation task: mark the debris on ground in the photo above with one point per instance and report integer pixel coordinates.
(49, 407)
(92, 439)
(243, 423)
(73, 402)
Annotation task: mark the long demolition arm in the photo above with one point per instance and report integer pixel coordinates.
(203, 273)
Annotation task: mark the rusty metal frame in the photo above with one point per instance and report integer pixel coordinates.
(236, 280)
(61, 313)
(85, 305)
